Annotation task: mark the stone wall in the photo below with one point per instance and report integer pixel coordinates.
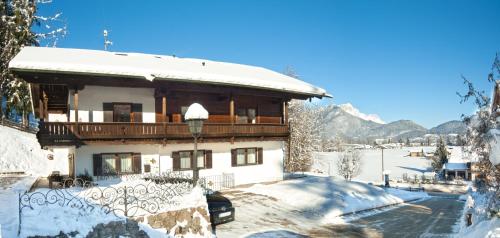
(194, 221)
(126, 228)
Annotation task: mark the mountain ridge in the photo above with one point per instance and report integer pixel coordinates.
(355, 126)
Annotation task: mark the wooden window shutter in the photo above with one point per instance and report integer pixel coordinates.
(233, 158)
(260, 155)
(137, 112)
(208, 159)
(136, 163)
(176, 161)
(107, 109)
(97, 164)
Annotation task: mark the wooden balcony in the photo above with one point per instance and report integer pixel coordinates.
(71, 133)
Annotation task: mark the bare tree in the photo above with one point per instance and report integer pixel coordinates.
(349, 164)
(305, 134)
(306, 130)
(479, 125)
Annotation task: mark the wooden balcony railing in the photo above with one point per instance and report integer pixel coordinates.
(52, 133)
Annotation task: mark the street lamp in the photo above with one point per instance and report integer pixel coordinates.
(195, 115)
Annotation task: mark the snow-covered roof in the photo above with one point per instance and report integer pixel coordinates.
(455, 166)
(157, 67)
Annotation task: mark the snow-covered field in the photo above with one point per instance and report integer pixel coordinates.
(304, 204)
(396, 161)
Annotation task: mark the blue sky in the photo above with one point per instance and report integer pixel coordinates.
(398, 59)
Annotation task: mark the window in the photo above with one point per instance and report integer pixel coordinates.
(200, 161)
(183, 112)
(184, 160)
(251, 156)
(246, 156)
(121, 112)
(109, 164)
(246, 115)
(240, 159)
(116, 163)
(126, 163)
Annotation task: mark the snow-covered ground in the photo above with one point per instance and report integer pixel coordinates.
(21, 152)
(397, 161)
(482, 225)
(9, 195)
(304, 204)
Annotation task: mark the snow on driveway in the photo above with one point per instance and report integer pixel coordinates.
(294, 207)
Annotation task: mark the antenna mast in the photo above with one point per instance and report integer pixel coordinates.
(106, 41)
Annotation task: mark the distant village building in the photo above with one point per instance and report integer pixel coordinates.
(457, 171)
(417, 153)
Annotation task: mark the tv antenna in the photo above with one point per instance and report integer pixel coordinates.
(106, 41)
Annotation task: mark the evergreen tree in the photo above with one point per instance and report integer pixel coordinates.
(18, 22)
(440, 156)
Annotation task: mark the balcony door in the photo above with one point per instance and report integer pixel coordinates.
(122, 112)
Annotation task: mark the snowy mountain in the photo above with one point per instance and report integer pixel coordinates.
(349, 108)
(349, 123)
(340, 123)
(451, 127)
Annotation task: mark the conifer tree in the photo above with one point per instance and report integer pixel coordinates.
(18, 28)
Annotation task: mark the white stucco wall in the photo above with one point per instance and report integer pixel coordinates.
(91, 98)
(60, 160)
(57, 117)
(270, 170)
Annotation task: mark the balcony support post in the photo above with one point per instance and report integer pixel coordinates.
(40, 109)
(231, 116)
(164, 108)
(284, 110)
(45, 106)
(76, 111)
(231, 109)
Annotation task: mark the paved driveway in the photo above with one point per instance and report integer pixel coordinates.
(260, 216)
(433, 217)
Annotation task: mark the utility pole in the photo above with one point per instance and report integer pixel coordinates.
(382, 163)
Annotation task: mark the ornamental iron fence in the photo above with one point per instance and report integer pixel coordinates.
(140, 195)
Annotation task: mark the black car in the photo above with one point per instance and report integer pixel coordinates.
(220, 208)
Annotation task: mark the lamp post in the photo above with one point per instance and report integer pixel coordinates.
(195, 116)
(382, 147)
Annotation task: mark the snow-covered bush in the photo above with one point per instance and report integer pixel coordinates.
(349, 164)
